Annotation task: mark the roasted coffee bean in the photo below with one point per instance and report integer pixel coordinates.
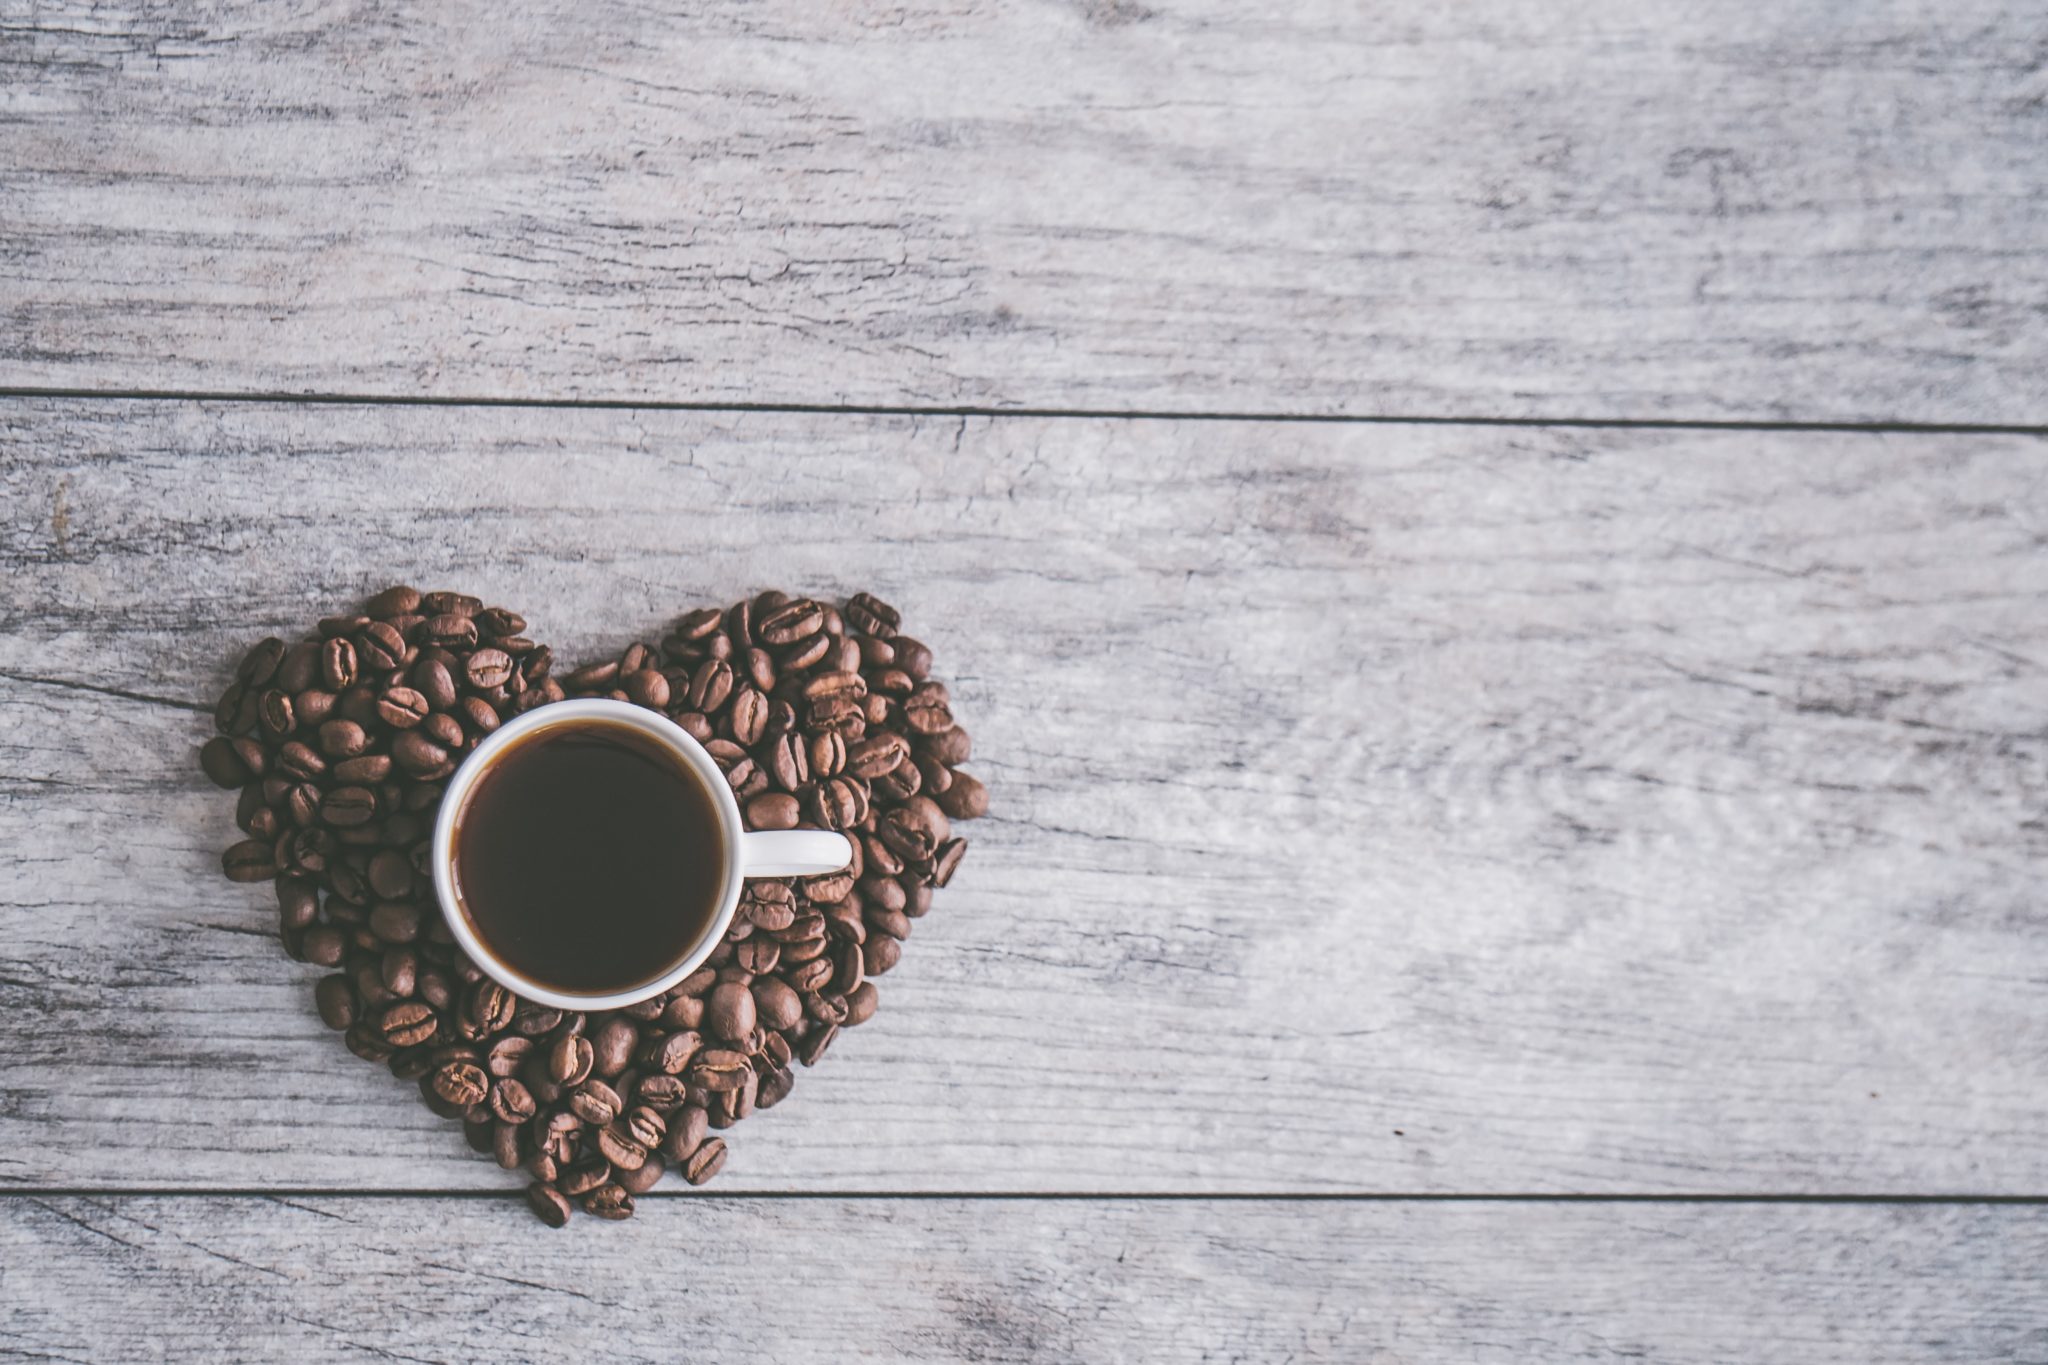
(380, 647)
(508, 1055)
(432, 679)
(507, 1149)
(880, 954)
(299, 669)
(951, 747)
(837, 715)
(274, 712)
(249, 861)
(964, 798)
(397, 600)
(775, 1087)
(946, 860)
(534, 1019)
(312, 708)
(643, 1177)
(449, 631)
(347, 807)
(490, 1006)
(401, 708)
(478, 715)
(815, 1042)
(686, 1131)
(788, 623)
(511, 1100)
(595, 1102)
(877, 754)
(661, 1091)
(839, 803)
(445, 603)
(489, 667)
(415, 753)
(757, 955)
(396, 921)
(613, 1042)
(860, 1006)
(710, 685)
(542, 1166)
(671, 1055)
(298, 904)
(646, 688)
(407, 1024)
(390, 874)
(462, 1083)
(337, 664)
(706, 1161)
(872, 616)
(586, 1175)
(620, 1150)
(569, 1061)
(729, 1012)
(548, 1204)
(810, 974)
(776, 1005)
(398, 969)
(773, 810)
(610, 1202)
(719, 1069)
(259, 665)
(899, 784)
(336, 1001)
(226, 769)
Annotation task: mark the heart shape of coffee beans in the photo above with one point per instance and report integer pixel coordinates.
(819, 716)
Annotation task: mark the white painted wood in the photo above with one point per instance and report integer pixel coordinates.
(96, 1279)
(1377, 808)
(1814, 210)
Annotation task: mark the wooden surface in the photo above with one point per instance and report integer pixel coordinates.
(1376, 808)
(829, 1280)
(1463, 890)
(1825, 210)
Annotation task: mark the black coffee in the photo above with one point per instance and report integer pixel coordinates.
(588, 857)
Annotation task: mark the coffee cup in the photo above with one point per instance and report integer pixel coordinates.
(590, 854)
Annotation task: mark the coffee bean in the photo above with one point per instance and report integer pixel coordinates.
(595, 1102)
(380, 647)
(489, 667)
(217, 756)
(872, 616)
(444, 603)
(613, 1043)
(729, 1012)
(946, 860)
(407, 1023)
(511, 1100)
(415, 753)
(337, 664)
(706, 1161)
(275, 714)
(490, 1006)
(951, 747)
(312, 708)
(507, 1055)
(569, 1061)
(462, 1083)
(786, 624)
(479, 715)
(620, 1150)
(773, 810)
(396, 921)
(860, 1006)
(839, 802)
(815, 1042)
(610, 1202)
(583, 1176)
(259, 665)
(249, 861)
(348, 807)
(449, 631)
(719, 1069)
(776, 1005)
(877, 754)
(661, 1091)
(547, 1204)
(757, 955)
(398, 969)
(964, 798)
(671, 1055)
(397, 600)
(336, 1001)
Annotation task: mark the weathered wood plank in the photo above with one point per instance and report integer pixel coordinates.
(833, 1280)
(1721, 210)
(1405, 808)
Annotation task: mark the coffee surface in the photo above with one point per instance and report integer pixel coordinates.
(588, 857)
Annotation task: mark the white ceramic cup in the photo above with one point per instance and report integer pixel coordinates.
(761, 853)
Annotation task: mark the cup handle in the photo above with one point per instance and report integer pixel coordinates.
(793, 853)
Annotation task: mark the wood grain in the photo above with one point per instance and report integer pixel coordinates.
(1376, 808)
(832, 1280)
(1815, 210)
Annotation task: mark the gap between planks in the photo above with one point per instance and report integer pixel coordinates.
(1040, 1197)
(31, 392)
